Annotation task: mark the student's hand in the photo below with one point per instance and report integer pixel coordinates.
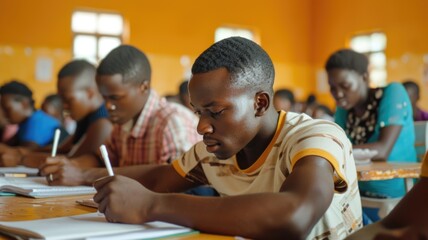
(34, 159)
(407, 233)
(61, 171)
(123, 200)
(11, 159)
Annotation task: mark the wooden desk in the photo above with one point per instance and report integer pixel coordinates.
(22, 208)
(386, 170)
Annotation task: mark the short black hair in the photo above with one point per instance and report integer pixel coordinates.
(285, 94)
(19, 89)
(325, 109)
(410, 84)
(348, 59)
(182, 89)
(75, 68)
(128, 61)
(53, 99)
(311, 99)
(248, 64)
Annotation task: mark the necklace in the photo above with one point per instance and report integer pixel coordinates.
(360, 128)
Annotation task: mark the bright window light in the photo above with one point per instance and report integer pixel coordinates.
(226, 32)
(85, 22)
(106, 44)
(95, 34)
(110, 24)
(373, 45)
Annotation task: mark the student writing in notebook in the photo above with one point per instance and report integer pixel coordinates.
(147, 130)
(36, 128)
(280, 175)
(80, 96)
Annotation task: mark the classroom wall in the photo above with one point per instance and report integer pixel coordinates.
(404, 22)
(166, 30)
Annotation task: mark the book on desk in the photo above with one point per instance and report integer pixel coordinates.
(37, 187)
(18, 171)
(89, 226)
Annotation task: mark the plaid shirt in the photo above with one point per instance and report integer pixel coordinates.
(162, 133)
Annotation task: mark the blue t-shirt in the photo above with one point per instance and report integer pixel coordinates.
(39, 128)
(394, 109)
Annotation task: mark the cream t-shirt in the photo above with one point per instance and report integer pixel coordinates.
(297, 136)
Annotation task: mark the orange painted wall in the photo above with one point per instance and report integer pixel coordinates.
(404, 22)
(165, 30)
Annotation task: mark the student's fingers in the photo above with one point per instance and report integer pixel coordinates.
(54, 160)
(102, 188)
(11, 159)
(99, 183)
(102, 206)
(49, 169)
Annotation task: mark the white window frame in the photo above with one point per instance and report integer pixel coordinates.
(373, 46)
(97, 34)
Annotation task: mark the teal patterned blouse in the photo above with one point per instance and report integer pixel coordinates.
(393, 108)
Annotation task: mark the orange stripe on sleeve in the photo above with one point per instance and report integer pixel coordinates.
(178, 168)
(320, 153)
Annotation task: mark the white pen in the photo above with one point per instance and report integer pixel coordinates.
(104, 154)
(55, 142)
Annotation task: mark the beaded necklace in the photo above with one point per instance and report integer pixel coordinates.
(360, 128)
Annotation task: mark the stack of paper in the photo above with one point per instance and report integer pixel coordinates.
(19, 171)
(89, 226)
(37, 187)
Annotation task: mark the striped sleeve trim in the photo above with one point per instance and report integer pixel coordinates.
(340, 184)
(178, 168)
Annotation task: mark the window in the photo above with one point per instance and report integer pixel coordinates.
(373, 46)
(225, 32)
(95, 34)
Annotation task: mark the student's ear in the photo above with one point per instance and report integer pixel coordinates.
(91, 92)
(262, 103)
(366, 77)
(25, 103)
(144, 86)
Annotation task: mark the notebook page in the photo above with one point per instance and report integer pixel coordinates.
(86, 226)
(38, 187)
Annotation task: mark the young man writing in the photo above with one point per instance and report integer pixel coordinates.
(280, 175)
(148, 129)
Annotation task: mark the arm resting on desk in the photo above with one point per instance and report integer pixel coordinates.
(388, 136)
(304, 197)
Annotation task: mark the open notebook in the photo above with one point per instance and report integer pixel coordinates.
(37, 187)
(89, 226)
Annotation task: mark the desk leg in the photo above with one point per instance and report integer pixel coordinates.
(409, 183)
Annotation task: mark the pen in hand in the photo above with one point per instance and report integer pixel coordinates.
(55, 142)
(104, 154)
(54, 149)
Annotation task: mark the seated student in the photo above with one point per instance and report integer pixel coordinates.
(310, 104)
(36, 128)
(147, 130)
(283, 99)
(408, 220)
(374, 118)
(280, 175)
(7, 130)
(183, 94)
(53, 105)
(412, 89)
(80, 97)
(323, 112)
